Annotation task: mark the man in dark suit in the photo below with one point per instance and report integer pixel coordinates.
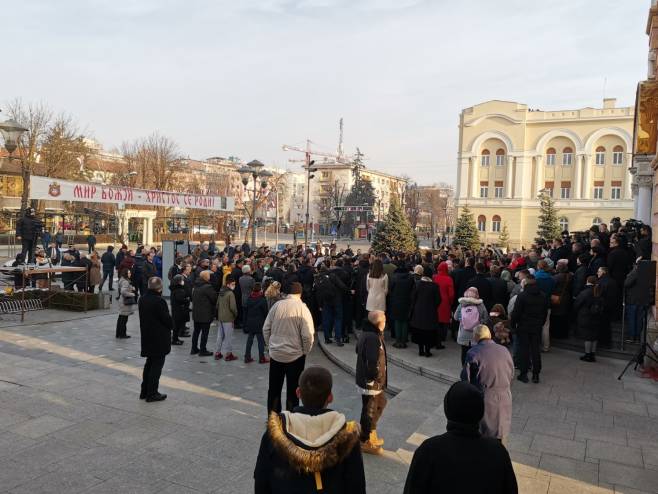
(54, 254)
(155, 327)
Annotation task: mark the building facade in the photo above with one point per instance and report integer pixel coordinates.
(509, 153)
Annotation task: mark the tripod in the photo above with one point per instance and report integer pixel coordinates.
(643, 352)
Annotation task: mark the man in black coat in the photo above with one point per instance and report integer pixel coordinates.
(108, 260)
(290, 458)
(204, 299)
(462, 275)
(528, 317)
(461, 460)
(499, 293)
(155, 327)
(372, 379)
(612, 296)
(643, 244)
(28, 230)
(481, 282)
(620, 263)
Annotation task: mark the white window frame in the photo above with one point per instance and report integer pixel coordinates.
(495, 226)
(598, 192)
(618, 158)
(549, 192)
(565, 192)
(615, 192)
(564, 223)
(485, 160)
(498, 192)
(484, 191)
(550, 159)
(500, 160)
(482, 226)
(597, 221)
(600, 158)
(567, 159)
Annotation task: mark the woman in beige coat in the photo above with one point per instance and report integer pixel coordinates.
(377, 285)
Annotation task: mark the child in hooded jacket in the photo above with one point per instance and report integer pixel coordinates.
(470, 299)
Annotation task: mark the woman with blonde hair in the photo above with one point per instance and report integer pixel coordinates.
(273, 294)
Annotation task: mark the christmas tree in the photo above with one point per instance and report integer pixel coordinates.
(548, 227)
(503, 238)
(466, 232)
(395, 234)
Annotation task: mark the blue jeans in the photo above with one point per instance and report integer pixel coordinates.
(332, 317)
(635, 320)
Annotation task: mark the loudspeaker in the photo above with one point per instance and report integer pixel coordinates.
(646, 282)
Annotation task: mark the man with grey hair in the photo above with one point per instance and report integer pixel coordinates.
(489, 366)
(371, 379)
(155, 327)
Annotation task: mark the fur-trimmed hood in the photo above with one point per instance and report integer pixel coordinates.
(312, 443)
(470, 301)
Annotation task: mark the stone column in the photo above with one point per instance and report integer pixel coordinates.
(523, 177)
(539, 175)
(509, 177)
(587, 180)
(145, 231)
(645, 185)
(578, 176)
(628, 178)
(475, 177)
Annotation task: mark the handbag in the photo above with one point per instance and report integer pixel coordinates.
(131, 300)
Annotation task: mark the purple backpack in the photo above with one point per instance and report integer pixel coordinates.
(470, 317)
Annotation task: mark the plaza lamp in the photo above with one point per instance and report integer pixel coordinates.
(254, 169)
(11, 132)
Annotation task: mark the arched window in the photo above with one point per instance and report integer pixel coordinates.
(600, 155)
(567, 156)
(485, 157)
(564, 223)
(618, 155)
(500, 157)
(550, 156)
(495, 223)
(482, 223)
(597, 221)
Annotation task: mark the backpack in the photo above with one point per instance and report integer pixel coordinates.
(324, 289)
(597, 307)
(470, 317)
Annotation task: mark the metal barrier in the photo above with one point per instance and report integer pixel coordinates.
(16, 306)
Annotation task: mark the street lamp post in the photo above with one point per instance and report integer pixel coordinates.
(309, 176)
(11, 132)
(254, 169)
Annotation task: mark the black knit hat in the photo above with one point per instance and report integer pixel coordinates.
(464, 403)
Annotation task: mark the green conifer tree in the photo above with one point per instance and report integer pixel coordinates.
(466, 232)
(503, 238)
(395, 234)
(548, 227)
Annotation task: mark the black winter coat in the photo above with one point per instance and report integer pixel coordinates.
(148, 271)
(620, 263)
(29, 228)
(461, 277)
(180, 303)
(579, 280)
(563, 288)
(255, 314)
(204, 298)
(155, 325)
(425, 302)
(612, 295)
(108, 260)
(400, 290)
(530, 310)
(445, 464)
(371, 359)
(588, 323)
(499, 293)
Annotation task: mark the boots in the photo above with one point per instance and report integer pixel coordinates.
(370, 448)
(375, 439)
(588, 357)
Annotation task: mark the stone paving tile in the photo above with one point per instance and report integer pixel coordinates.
(587, 417)
(14, 474)
(11, 443)
(548, 427)
(625, 407)
(519, 442)
(47, 451)
(124, 485)
(528, 485)
(608, 451)
(573, 469)
(41, 426)
(627, 476)
(561, 485)
(58, 483)
(558, 446)
(614, 435)
(650, 455)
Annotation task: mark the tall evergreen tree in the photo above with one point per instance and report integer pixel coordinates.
(361, 194)
(548, 227)
(395, 234)
(503, 238)
(466, 232)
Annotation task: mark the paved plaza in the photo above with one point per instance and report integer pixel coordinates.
(71, 420)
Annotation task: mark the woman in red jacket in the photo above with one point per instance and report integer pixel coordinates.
(447, 289)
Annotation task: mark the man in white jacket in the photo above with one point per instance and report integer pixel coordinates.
(288, 332)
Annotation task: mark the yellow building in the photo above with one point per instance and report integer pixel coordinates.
(508, 153)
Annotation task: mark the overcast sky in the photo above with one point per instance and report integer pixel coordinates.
(229, 77)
